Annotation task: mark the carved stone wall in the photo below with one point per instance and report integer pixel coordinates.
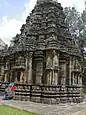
(44, 52)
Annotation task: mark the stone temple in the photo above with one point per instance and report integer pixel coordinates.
(43, 60)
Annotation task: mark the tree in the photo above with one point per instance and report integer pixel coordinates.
(74, 21)
(77, 28)
(83, 17)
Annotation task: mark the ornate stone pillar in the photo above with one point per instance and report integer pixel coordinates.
(73, 68)
(2, 72)
(73, 79)
(26, 68)
(49, 67)
(39, 66)
(39, 72)
(30, 67)
(49, 77)
(70, 70)
(63, 71)
(6, 72)
(80, 80)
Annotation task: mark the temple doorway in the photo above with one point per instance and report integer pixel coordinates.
(16, 76)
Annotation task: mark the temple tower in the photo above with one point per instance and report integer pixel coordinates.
(44, 54)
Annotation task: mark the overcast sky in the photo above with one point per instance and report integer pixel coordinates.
(14, 12)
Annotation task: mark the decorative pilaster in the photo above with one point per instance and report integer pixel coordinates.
(49, 77)
(49, 67)
(70, 70)
(2, 72)
(73, 79)
(6, 71)
(30, 67)
(38, 62)
(39, 71)
(63, 71)
(26, 76)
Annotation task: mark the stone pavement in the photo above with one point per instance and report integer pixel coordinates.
(44, 109)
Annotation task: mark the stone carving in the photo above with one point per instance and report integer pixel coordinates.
(49, 78)
(55, 59)
(44, 52)
(49, 62)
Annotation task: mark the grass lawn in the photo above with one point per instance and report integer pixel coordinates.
(5, 110)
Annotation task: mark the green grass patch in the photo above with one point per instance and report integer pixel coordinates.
(6, 110)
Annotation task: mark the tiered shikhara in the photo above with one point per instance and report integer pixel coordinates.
(44, 54)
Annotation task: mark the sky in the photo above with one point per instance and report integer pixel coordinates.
(13, 14)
